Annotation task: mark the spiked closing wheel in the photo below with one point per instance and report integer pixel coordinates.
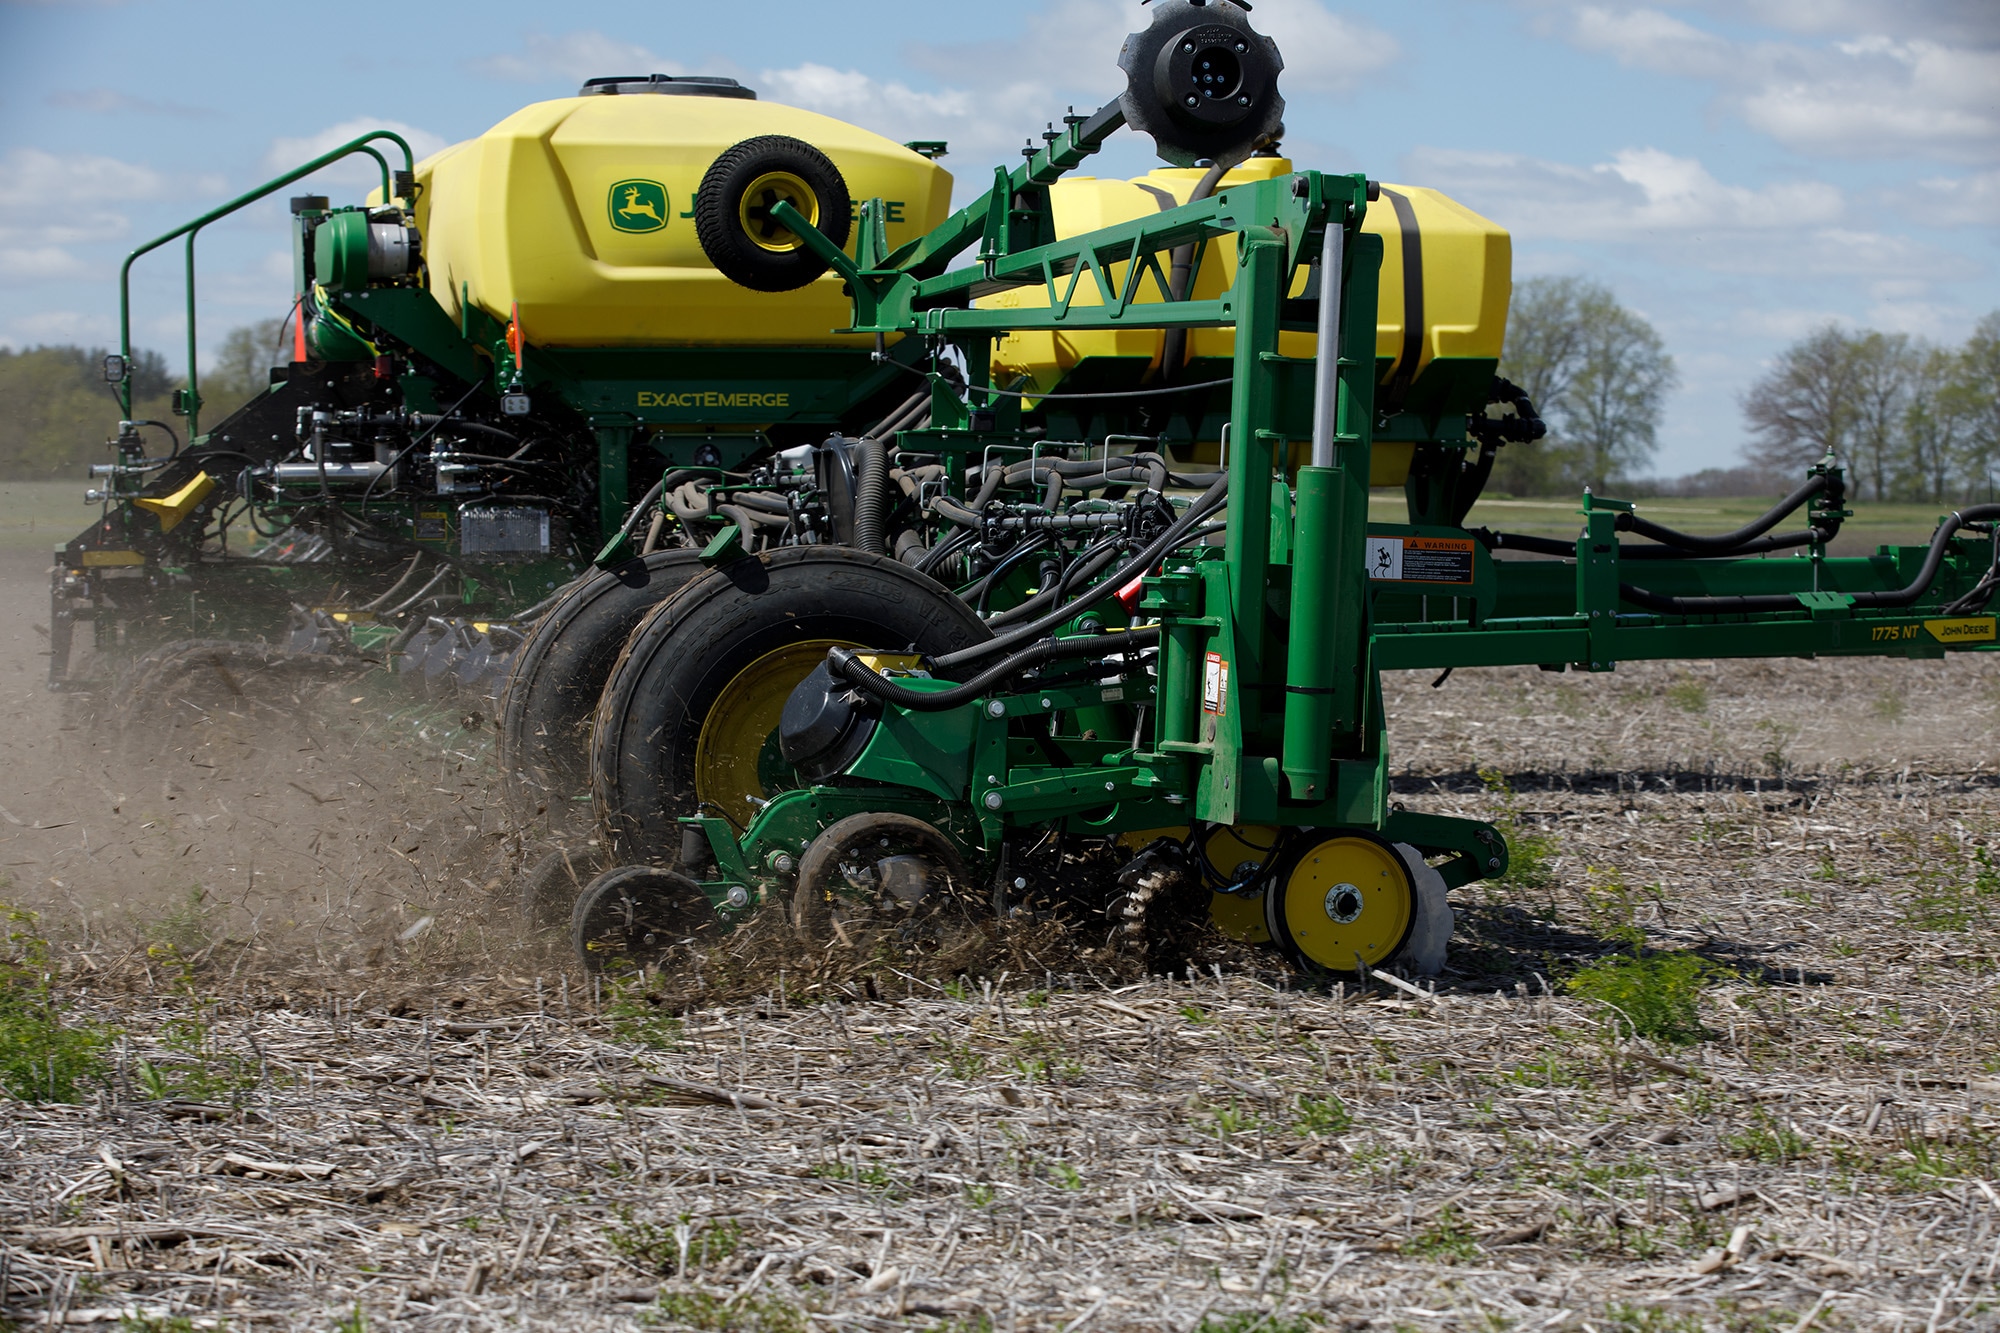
(1340, 903)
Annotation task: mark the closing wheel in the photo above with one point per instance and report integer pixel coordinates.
(1340, 903)
(733, 212)
(552, 687)
(880, 872)
(640, 916)
(1234, 855)
(547, 891)
(690, 714)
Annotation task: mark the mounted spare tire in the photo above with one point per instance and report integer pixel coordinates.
(551, 693)
(689, 718)
(732, 212)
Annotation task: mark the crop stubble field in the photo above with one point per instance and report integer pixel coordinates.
(341, 1089)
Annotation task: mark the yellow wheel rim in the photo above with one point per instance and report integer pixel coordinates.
(1228, 850)
(764, 194)
(1347, 903)
(736, 756)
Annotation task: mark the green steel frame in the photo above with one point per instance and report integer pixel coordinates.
(1266, 703)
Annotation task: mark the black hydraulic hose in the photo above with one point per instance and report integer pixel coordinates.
(395, 587)
(950, 546)
(1086, 566)
(1520, 541)
(1006, 563)
(846, 664)
(1895, 597)
(1727, 542)
(870, 494)
(147, 421)
(1173, 346)
(1210, 500)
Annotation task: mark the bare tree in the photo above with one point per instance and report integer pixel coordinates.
(1880, 369)
(1598, 373)
(1805, 405)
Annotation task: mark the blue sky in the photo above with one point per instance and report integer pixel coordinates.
(1739, 172)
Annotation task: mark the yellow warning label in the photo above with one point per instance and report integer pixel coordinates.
(1968, 629)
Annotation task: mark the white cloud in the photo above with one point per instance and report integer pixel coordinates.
(1641, 192)
(31, 178)
(1325, 52)
(1881, 92)
(580, 55)
(1675, 210)
(46, 263)
(1960, 201)
(286, 153)
(1973, 21)
(895, 109)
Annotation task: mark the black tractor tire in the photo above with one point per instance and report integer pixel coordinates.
(552, 688)
(691, 647)
(731, 211)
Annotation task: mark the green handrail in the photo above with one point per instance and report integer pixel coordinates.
(193, 228)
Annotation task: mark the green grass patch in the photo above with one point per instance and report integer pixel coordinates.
(675, 1247)
(755, 1313)
(1445, 1240)
(42, 1057)
(1656, 996)
(1531, 855)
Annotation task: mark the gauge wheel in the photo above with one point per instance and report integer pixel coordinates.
(636, 917)
(733, 207)
(879, 873)
(1340, 903)
(688, 721)
(552, 687)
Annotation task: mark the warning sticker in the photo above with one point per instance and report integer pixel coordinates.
(1214, 683)
(1420, 559)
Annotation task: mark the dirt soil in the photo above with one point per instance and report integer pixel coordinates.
(342, 1088)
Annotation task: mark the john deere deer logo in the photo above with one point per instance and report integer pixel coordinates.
(638, 206)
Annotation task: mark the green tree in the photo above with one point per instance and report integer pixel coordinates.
(1979, 387)
(1937, 420)
(1598, 372)
(242, 368)
(57, 412)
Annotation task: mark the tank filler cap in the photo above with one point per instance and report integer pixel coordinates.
(672, 85)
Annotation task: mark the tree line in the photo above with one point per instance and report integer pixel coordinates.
(1911, 419)
(57, 414)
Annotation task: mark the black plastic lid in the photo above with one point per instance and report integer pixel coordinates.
(674, 85)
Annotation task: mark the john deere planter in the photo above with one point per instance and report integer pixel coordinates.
(899, 567)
